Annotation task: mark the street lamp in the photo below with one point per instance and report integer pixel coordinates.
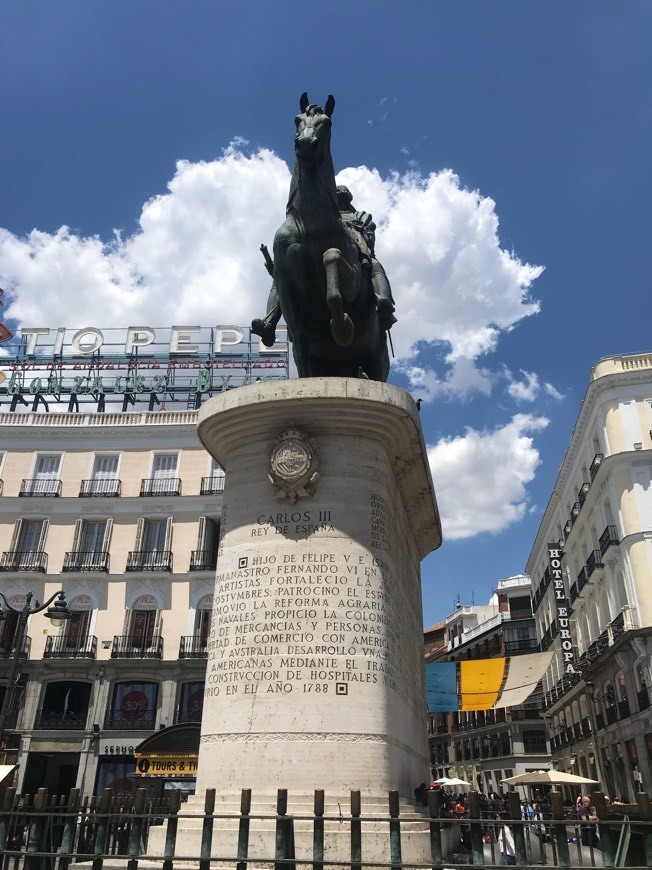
(58, 613)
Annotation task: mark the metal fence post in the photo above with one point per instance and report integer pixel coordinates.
(37, 830)
(356, 831)
(5, 816)
(136, 832)
(394, 832)
(608, 835)
(101, 828)
(174, 804)
(518, 829)
(318, 831)
(434, 800)
(477, 845)
(69, 827)
(559, 829)
(645, 809)
(207, 830)
(284, 832)
(243, 829)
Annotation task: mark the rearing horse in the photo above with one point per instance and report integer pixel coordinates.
(325, 294)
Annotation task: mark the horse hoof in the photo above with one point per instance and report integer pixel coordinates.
(343, 331)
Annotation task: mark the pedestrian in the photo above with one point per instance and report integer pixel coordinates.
(588, 829)
(506, 841)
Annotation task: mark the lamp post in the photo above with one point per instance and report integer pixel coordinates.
(58, 613)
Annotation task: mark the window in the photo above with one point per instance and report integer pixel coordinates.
(105, 467)
(164, 470)
(141, 634)
(104, 477)
(90, 546)
(45, 480)
(191, 702)
(153, 546)
(133, 706)
(214, 483)
(204, 558)
(65, 706)
(27, 547)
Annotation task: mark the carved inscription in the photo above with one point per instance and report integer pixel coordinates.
(311, 621)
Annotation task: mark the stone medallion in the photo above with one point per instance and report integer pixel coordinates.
(293, 465)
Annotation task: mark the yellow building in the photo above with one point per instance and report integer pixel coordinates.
(121, 511)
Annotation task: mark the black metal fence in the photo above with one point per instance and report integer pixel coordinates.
(50, 832)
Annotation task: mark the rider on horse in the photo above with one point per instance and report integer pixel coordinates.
(362, 229)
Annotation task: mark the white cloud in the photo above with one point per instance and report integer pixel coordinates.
(553, 392)
(195, 259)
(480, 477)
(526, 390)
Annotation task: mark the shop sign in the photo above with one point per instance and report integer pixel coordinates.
(166, 765)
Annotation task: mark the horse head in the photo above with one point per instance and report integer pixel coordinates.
(313, 135)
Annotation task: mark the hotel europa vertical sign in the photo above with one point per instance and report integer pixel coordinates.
(563, 608)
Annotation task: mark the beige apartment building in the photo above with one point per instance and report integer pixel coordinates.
(122, 512)
(597, 613)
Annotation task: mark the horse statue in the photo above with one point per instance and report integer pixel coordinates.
(324, 290)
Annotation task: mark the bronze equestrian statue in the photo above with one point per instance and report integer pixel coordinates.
(327, 283)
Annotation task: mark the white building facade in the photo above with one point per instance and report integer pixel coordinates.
(599, 518)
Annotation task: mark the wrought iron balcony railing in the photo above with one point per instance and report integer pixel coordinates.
(643, 699)
(203, 560)
(58, 720)
(607, 538)
(595, 465)
(130, 646)
(152, 486)
(15, 560)
(86, 561)
(193, 647)
(211, 485)
(62, 647)
(132, 720)
(149, 560)
(594, 561)
(41, 488)
(8, 647)
(110, 487)
(583, 492)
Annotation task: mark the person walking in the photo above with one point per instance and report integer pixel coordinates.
(506, 842)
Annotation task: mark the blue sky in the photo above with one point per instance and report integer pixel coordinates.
(503, 148)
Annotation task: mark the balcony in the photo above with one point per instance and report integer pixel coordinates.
(7, 647)
(595, 465)
(40, 488)
(160, 486)
(514, 647)
(130, 721)
(57, 720)
(193, 647)
(129, 646)
(101, 488)
(211, 485)
(149, 560)
(14, 560)
(623, 709)
(594, 561)
(607, 538)
(575, 512)
(61, 647)
(582, 493)
(567, 529)
(203, 560)
(611, 715)
(86, 561)
(582, 579)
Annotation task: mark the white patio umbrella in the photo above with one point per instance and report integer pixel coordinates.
(549, 777)
(453, 780)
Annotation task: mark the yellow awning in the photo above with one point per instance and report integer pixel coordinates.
(480, 683)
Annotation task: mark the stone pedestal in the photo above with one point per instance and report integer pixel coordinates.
(315, 676)
(315, 663)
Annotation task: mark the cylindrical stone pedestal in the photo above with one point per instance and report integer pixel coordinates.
(315, 665)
